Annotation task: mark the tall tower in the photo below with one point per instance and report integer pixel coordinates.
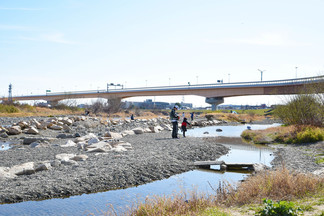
(10, 93)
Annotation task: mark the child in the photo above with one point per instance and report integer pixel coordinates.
(184, 126)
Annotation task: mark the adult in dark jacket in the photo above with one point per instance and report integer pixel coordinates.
(174, 119)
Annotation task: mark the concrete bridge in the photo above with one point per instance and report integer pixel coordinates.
(214, 93)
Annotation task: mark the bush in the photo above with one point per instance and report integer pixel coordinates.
(303, 109)
(310, 135)
(279, 208)
(8, 109)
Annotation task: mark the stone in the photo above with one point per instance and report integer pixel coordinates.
(70, 162)
(14, 130)
(80, 158)
(56, 127)
(3, 134)
(147, 130)
(61, 136)
(119, 149)
(93, 140)
(29, 140)
(67, 121)
(113, 135)
(43, 166)
(64, 156)
(258, 167)
(127, 132)
(23, 169)
(138, 130)
(32, 130)
(125, 145)
(69, 143)
(6, 174)
(23, 124)
(99, 147)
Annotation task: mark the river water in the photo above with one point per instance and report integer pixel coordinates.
(199, 180)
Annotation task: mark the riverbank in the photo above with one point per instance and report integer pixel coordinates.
(130, 160)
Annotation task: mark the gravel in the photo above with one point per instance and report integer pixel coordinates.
(154, 156)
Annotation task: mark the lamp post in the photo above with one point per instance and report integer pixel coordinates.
(296, 72)
(261, 71)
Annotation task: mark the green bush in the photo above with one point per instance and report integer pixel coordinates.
(310, 135)
(8, 109)
(282, 208)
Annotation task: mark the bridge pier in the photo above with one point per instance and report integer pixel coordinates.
(214, 101)
(114, 104)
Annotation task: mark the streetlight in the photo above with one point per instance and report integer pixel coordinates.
(261, 73)
(296, 72)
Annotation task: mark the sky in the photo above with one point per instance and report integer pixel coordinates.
(75, 45)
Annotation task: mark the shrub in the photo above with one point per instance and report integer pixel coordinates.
(8, 109)
(279, 208)
(310, 135)
(303, 109)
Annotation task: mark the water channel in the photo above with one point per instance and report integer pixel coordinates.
(199, 180)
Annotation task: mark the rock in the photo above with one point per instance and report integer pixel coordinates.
(77, 135)
(93, 140)
(99, 147)
(80, 158)
(29, 140)
(61, 136)
(43, 166)
(32, 130)
(3, 134)
(69, 143)
(23, 124)
(64, 156)
(147, 130)
(138, 130)
(125, 145)
(23, 169)
(33, 144)
(82, 145)
(119, 149)
(56, 127)
(67, 121)
(14, 130)
(258, 167)
(113, 135)
(5, 173)
(206, 132)
(70, 162)
(127, 132)
(219, 130)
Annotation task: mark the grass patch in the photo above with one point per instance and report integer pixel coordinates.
(4, 108)
(285, 135)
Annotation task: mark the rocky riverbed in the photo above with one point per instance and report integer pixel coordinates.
(64, 156)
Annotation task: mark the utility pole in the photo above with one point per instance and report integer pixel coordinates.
(261, 73)
(10, 93)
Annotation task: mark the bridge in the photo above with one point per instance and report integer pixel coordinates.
(214, 93)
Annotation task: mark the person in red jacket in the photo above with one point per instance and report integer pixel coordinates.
(184, 126)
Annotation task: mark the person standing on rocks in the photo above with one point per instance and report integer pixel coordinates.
(174, 119)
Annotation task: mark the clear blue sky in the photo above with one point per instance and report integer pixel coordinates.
(68, 45)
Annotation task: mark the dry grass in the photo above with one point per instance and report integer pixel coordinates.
(40, 111)
(279, 184)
